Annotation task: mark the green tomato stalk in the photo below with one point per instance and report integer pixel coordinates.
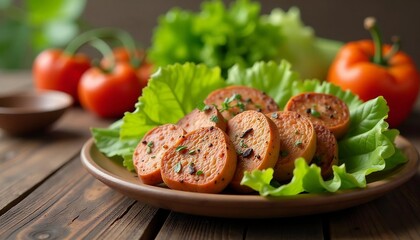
(105, 33)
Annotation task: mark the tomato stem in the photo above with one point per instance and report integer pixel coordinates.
(371, 26)
(105, 50)
(104, 33)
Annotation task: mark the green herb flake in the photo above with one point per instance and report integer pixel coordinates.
(241, 106)
(275, 115)
(149, 145)
(298, 142)
(199, 173)
(214, 118)
(180, 148)
(284, 153)
(178, 167)
(191, 152)
(243, 144)
(315, 113)
(203, 107)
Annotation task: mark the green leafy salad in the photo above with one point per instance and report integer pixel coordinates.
(239, 34)
(175, 90)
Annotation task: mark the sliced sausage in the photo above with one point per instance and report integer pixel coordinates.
(207, 117)
(257, 143)
(326, 154)
(235, 99)
(204, 160)
(148, 153)
(297, 139)
(323, 109)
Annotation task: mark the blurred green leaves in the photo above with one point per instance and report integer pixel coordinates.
(28, 27)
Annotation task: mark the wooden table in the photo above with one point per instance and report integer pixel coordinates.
(45, 193)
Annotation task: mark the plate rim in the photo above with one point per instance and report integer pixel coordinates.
(312, 202)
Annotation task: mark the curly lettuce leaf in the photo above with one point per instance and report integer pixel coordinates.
(309, 55)
(172, 92)
(220, 35)
(109, 142)
(276, 80)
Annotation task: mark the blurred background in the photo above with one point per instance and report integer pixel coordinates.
(28, 26)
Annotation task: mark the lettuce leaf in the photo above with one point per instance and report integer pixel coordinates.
(175, 90)
(109, 142)
(239, 34)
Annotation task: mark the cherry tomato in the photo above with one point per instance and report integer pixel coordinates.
(109, 94)
(56, 70)
(144, 70)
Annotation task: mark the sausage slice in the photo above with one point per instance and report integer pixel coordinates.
(204, 160)
(257, 143)
(148, 153)
(326, 154)
(323, 109)
(235, 99)
(297, 139)
(207, 117)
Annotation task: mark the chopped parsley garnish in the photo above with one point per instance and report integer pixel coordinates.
(226, 103)
(199, 172)
(191, 152)
(315, 113)
(298, 142)
(243, 144)
(180, 148)
(284, 153)
(203, 107)
(149, 147)
(178, 167)
(275, 115)
(214, 118)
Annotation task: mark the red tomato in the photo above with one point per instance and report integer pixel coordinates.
(55, 70)
(122, 55)
(109, 94)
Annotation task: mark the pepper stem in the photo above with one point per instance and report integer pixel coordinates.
(370, 25)
(396, 46)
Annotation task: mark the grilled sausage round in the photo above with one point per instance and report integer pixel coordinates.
(323, 109)
(235, 99)
(208, 117)
(326, 154)
(297, 139)
(148, 153)
(204, 160)
(257, 143)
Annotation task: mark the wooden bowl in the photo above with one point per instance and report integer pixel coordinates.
(32, 112)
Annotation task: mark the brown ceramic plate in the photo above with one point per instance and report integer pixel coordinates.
(245, 206)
